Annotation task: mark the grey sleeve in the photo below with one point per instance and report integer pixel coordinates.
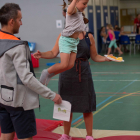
(22, 67)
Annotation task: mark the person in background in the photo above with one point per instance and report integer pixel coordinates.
(116, 28)
(122, 32)
(117, 41)
(113, 40)
(137, 25)
(103, 34)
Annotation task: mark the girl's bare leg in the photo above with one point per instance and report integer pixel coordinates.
(62, 66)
(47, 74)
(109, 51)
(119, 50)
(67, 62)
(72, 60)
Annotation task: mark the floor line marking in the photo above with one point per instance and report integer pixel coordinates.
(117, 80)
(105, 100)
(106, 80)
(116, 72)
(77, 121)
(111, 72)
(106, 106)
(116, 93)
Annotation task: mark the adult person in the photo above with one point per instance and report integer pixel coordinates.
(76, 84)
(20, 90)
(137, 24)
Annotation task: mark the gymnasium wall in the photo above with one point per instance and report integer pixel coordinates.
(39, 21)
(129, 5)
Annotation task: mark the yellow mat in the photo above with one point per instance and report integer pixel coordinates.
(81, 133)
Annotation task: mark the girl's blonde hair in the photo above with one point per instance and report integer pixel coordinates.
(110, 27)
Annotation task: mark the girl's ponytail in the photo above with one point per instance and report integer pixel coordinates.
(64, 4)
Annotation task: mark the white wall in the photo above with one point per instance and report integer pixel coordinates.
(97, 2)
(127, 5)
(90, 2)
(104, 2)
(39, 21)
(130, 4)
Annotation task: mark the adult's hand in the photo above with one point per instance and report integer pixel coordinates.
(37, 55)
(57, 99)
(108, 60)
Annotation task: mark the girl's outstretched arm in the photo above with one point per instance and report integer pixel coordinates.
(49, 54)
(71, 9)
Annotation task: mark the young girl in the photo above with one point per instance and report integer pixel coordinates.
(68, 41)
(113, 40)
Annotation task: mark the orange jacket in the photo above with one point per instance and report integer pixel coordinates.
(7, 36)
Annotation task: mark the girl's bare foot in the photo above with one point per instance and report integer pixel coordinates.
(120, 53)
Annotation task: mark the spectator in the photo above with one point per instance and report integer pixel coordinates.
(112, 37)
(123, 33)
(137, 24)
(103, 34)
(116, 28)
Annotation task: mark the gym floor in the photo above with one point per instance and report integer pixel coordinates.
(117, 87)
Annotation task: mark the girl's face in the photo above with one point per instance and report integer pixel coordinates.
(81, 5)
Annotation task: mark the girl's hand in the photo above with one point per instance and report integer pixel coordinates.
(37, 55)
